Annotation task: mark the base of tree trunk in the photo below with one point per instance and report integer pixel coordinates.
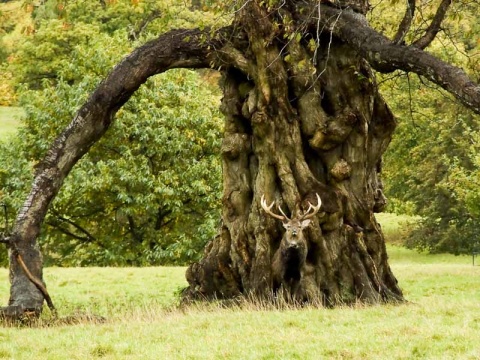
(15, 313)
(354, 278)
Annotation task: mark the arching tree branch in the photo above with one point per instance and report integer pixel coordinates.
(386, 56)
(434, 27)
(178, 48)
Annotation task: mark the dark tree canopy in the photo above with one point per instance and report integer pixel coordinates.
(303, 116)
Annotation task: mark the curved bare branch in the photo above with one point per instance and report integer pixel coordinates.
(434, 27)
(386, 56)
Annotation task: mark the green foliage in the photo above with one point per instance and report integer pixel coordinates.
(431, 160)
(46, 54)
(148, 192)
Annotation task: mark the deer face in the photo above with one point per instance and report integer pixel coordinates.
(294, 232)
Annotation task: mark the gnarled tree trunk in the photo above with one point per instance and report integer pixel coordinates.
(303, 117)
(300, 120)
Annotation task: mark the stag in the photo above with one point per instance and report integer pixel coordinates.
(289, 260)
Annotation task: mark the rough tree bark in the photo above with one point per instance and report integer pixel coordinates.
(300, 120)
(303, 116)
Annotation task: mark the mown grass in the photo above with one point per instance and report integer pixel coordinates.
(9, 120)
(441, 321)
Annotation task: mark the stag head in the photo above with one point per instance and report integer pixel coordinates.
(295, 225)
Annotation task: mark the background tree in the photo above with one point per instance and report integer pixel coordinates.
(424, 162)
(303, 117)
(433, 143)
(150, 189)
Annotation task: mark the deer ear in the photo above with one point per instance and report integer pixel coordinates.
(286, 225)
(305, 223)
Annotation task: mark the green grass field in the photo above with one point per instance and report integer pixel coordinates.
(143, 321)
(9, 120)
(442, 320)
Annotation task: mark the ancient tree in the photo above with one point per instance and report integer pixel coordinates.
(300, 121)
(303, 117)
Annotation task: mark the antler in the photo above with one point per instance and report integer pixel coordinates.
(267, 209)
(307, 214)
